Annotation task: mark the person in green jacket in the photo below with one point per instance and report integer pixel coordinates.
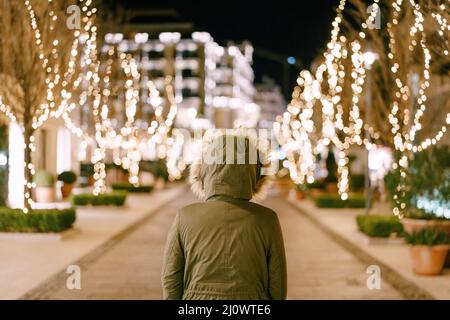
(226, 247)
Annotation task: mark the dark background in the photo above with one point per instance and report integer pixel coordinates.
(285, 28)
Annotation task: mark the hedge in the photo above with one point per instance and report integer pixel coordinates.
(107, 199)
(376, 225)
(334, 201)
(36, 220)
(128, 187)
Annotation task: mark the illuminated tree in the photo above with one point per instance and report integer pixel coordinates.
(410, 43)
(39, 59)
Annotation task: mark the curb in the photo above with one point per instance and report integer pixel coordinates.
(406, 288)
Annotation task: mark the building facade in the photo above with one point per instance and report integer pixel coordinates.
(213, 84)
(270, 100)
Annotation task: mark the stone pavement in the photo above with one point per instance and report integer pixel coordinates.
(318, 268)
(393, 258)
(26, 264)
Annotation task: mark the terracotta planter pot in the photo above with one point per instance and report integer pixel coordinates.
(66, 189)
(44, 194)
(428, 260)
(283, 186)
(300, 195)
(411, 225)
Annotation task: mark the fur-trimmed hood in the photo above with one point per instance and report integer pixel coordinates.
(229, 165)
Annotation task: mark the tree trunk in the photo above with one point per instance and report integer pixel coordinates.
(27, 133)
(27, 171)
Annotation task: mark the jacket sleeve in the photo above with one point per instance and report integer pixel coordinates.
(173, 268)
(277, 264)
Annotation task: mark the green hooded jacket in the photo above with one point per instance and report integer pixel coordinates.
(226, 247)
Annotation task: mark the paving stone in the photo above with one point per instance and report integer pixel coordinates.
(318, 268)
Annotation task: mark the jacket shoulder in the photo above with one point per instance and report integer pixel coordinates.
(190, 208)
(269, 215)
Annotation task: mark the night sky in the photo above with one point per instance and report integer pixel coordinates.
(290, 28)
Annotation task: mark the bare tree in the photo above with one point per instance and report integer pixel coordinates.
(384, 83)
(38, 65)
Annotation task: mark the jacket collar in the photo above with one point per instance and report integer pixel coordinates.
(222, 197)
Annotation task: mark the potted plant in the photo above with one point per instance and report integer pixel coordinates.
(86, 174)
(417, 219)
(45, 182)
(68, 179)
(300, 191)
(429, 248)
(427, 190)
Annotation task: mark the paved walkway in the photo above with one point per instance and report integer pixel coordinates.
(28, 262)
(318, 268)
(391, 255)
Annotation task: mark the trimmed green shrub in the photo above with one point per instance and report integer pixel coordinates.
(44, 179)
(334, 201)
(128, 187)
(36, 220)
(107, 199)
(376, 225)
(67, 177)
(428, 237)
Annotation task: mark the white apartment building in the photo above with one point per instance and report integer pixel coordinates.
(271, 101)
(213, 83)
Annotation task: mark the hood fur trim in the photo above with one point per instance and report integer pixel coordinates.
(197, 186)
(196, 182)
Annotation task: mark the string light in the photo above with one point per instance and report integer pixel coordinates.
(406, 93)
(58, 81)
(331, 78)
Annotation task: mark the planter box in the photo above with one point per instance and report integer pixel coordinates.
(411, 225)
(428, 261)
(363, 238)
(39, 236)
(104, 208)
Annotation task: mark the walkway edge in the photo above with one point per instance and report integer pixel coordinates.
(60, 277)
(406, 288)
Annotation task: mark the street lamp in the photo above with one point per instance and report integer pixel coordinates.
(369, 59)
